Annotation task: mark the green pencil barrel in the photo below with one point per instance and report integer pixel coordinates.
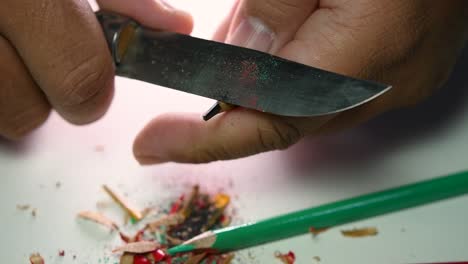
(342, 212)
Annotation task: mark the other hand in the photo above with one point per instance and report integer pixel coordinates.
(411, 45)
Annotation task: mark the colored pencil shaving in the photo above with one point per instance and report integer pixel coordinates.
(316, 232)
(126, 258)
(23, 207)
(98, 218)
(167, 220)
(361, 232)
(130, 209)
(195, 259)
(288, 258)
(36, 259)
(202, 213)
(138, 247)
(187, 217)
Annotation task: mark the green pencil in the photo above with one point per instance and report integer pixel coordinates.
(328, 215)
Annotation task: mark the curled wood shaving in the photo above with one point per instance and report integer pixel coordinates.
(361, 232)
(168, 220)
(36, 258)
(195, 259)
(131, 210)
(98, 218)
(126, 259)
(138, 247)
(23, 207)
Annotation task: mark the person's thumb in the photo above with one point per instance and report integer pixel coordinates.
(266, 25)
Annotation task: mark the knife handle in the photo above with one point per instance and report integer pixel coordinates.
(119, 32)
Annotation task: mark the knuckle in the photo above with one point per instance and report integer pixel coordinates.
(277, 134)
(84, 81)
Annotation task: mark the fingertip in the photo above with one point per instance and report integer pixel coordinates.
(163, 139)
(185, 23)
(95, 105)
(186, 138)
(146, 161)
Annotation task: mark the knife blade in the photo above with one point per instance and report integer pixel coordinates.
(230, 74)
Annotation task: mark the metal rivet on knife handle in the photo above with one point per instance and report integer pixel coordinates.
(122, 41)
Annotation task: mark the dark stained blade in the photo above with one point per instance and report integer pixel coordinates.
(236, 75)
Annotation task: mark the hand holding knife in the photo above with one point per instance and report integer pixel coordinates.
(67, 68)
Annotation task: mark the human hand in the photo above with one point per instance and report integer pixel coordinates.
(411, 45)
(53, 55)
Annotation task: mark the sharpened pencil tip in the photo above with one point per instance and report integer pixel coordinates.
(214, 110)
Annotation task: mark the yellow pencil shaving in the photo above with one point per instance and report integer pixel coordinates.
(131, 210)
(361, 232)
(221, 200)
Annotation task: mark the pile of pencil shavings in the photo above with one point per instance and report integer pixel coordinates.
(186, 218)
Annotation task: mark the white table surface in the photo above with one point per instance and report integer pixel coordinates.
(400, 147)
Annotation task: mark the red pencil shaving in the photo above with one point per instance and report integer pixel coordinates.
(288, 258)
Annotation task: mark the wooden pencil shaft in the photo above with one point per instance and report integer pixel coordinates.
(341, 212)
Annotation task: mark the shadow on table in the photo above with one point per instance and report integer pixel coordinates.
(393, 130)
(14, 147)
